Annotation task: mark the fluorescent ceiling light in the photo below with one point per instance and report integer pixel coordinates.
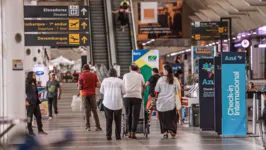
(243, 35)
(217, 42)
(152, 40)
(254, 32)
(262, 46)
(238, 37)
(234, 38)
(225, 40)
(143, 44)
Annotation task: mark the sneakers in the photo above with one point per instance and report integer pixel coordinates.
(32, 134)
(98, 129)
(109, 138)
(129, 135)
(43, 133)
(88, 129)
(118, 138)
(50, 118)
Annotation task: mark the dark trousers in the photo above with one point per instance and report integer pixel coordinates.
(132, 107)
(52, 102)
(36, 111)
(110, 116)
(89, 102)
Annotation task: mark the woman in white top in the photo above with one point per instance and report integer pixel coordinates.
(113, 90)
(167, 87)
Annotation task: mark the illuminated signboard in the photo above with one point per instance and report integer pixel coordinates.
(205, 31)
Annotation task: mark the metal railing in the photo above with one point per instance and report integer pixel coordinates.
(132, 28)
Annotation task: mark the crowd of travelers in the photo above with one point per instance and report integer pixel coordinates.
(127, 93)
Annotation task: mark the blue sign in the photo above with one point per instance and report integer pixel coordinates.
(39, 73)
(206, 93)
(233, 94)
(138, 54)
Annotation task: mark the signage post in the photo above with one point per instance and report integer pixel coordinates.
(233, 94)
(206, 94)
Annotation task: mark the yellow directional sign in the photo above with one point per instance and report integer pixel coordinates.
(84, 25)
(84, 39)
(73, 24)
(74, 39)
(197, 37)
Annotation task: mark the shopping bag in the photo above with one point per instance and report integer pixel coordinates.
(75, 104)
(82, 106)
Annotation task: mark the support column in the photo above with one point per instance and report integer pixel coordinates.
(12, 48)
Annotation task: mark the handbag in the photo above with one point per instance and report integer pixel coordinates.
(100, 105)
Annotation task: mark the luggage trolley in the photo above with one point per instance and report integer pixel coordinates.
(143, 122)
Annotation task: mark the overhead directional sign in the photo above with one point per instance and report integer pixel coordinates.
(71, 25)
(73, 11)
(206, 31)
(71, 39)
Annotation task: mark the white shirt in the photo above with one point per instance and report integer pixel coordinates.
(133, 82)
(167, 94)
(113, 90)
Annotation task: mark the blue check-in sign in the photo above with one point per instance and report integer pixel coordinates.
(234, 94)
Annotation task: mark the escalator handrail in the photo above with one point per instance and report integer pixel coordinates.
(90, 34)
(107, 33)
(132, 27)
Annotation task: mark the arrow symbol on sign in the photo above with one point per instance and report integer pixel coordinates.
(84, 24)
(84, 10)
(84, 39)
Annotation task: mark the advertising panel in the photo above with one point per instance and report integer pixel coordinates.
(160, 20)
(233, 94)
(206, 93)
(146, 60)
(200, 53)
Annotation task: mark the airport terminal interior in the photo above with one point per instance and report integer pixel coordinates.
(133, 74)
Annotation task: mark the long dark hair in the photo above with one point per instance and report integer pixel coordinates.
(30, 79)
(170, 76)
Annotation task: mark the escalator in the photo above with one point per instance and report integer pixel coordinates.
(98, 28)
(123, 41)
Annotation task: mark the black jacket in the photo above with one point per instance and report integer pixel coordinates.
(32, 94)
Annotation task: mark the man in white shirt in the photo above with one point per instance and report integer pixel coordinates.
(113, 90)
(134, 84)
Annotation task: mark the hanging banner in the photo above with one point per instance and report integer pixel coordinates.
(206, 93)
(160, 20)
(146, 60)
(200, 53)
(233, 94)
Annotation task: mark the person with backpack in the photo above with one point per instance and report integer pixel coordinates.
(123, 17)
(125, 4)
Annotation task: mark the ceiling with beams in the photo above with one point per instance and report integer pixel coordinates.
(245, 14)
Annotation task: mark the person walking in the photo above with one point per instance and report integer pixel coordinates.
(54, 94)
(113, 90)
(32, 104)
(179, 75)
(88, 82)
(134, 84)
(167, 88)
(123, 17)
(152, 83)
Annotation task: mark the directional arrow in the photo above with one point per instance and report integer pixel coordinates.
(84, 39)
(84, 25)
(84, 10)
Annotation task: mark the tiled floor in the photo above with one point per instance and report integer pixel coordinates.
(187, 138)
